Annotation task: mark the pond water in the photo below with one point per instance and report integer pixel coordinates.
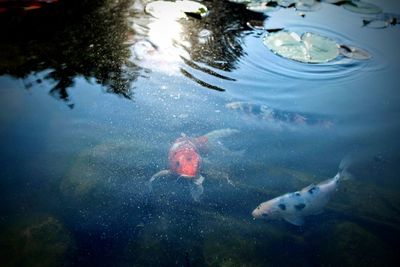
(94, 93)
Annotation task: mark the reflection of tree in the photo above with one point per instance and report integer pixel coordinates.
(227, 23)
(72, 38)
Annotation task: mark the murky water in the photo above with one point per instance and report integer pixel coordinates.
(93, 94)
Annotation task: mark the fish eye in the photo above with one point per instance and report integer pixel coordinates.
(264, 215)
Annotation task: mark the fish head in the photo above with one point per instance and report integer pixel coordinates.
(267, 210)
(185, 162)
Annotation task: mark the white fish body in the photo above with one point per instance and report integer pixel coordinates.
(293, 207)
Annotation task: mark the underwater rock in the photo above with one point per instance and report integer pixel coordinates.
(350, 244)
(307, 48)
(362, 7)
(176, 10)
(42, 241)
(106, 168)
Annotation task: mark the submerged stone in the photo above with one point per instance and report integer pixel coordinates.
(35, 241)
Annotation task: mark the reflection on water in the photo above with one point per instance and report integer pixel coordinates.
(72, 39)
(74, 173)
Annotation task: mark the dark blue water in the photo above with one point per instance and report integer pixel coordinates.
(87, 118)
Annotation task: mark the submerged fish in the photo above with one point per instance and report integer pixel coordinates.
(294, 207)
(269, 114)
(185, 159)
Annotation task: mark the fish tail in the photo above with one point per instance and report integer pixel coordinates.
(221, 133)
(344, 165)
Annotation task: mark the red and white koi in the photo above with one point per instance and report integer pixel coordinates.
(185, 159)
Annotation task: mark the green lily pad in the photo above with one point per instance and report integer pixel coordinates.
(175, 10)
(362, 7)
(354, 52)
(309, 48)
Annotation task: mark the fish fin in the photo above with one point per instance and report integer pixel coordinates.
(155, 176)
(319, 211)
(196, 188)
(293, 219)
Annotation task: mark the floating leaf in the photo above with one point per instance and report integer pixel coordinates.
(287, 3)
(240, 1)
(262, 6)
(307, 5)
(361, 7)
(286, 44)
(381, 21)
(320, 49)
(175, 10)
(354, 52)
(309, 48)
(375, 23)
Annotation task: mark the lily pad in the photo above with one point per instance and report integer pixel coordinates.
(309, 48)
(362, 7)
(307, 5)
(381, 21)
(354, 52)
(286, 3)
(320, 48)
(175, 10)
(375, 23)
(262, 6)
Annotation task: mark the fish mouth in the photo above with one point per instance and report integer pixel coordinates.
(256, 214)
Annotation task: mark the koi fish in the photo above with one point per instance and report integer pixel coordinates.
(269, 114)
(294, 207)
(185, 159)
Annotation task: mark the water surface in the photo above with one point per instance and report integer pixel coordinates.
(87, 118)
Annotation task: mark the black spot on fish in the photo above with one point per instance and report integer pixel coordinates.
(312, 189)
(297, 194)
(177, 163)
(300, 206)
(282, 206)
